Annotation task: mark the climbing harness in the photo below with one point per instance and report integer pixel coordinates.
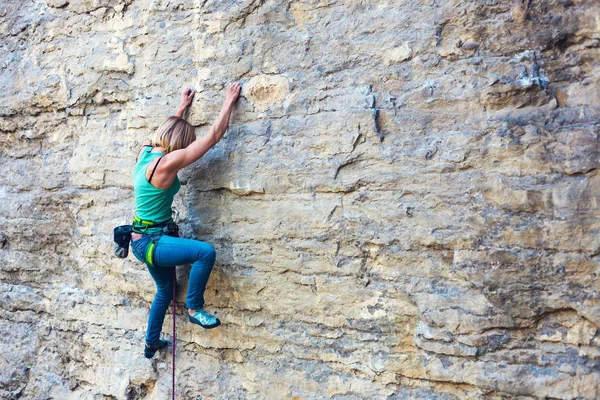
(141, 226)
(122, 235)
(170, 228)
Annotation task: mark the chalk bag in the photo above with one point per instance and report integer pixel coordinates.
(122, 237)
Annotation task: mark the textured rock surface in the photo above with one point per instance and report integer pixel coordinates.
(406, 204)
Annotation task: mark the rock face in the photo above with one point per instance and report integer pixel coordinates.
(406, 204)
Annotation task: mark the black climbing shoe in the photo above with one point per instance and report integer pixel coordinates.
(204, 319)
(150, 350)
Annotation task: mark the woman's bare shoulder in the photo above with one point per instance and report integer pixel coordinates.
(147, 143)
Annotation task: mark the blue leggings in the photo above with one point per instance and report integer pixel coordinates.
(170, 252)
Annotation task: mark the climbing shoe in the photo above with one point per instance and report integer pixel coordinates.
(204, 319)
(150, 350)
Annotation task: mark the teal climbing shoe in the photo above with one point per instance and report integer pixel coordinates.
(150, 350)
(204, 319)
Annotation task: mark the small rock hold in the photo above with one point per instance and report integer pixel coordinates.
(265, 91)
(57, 3)
(519, 13)
(370, 101)
(3, 241)
(470, 45)
(119, 63)
(398, 54)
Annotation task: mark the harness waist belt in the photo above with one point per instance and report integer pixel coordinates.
(137, 220)
(142, 225)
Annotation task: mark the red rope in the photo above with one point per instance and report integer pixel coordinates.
(174, 337)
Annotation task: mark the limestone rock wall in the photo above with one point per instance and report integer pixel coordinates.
(406, 204)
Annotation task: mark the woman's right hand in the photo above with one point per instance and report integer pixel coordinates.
(232, 92)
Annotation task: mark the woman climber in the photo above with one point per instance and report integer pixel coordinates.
(154, 238)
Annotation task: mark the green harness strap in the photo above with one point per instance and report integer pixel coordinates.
(145, 225)
(138, 220)
(150, 252)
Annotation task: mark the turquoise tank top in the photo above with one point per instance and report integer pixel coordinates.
(152, 203)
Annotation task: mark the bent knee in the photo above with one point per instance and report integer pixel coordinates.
(207, 251)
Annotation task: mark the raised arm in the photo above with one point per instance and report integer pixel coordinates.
(178, 159)
(219, 127)
(187, 95)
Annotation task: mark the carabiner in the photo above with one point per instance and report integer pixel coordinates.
(174, 211)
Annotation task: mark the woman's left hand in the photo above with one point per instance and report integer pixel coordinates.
(187, 95)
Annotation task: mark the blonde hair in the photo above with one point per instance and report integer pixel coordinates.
(174, 134)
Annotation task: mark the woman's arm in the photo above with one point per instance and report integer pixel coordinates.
(187, 95)
(219, 127)
(178, 159)
(180, 112)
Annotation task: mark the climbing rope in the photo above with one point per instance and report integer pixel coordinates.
(176, 219)
(174, 337)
